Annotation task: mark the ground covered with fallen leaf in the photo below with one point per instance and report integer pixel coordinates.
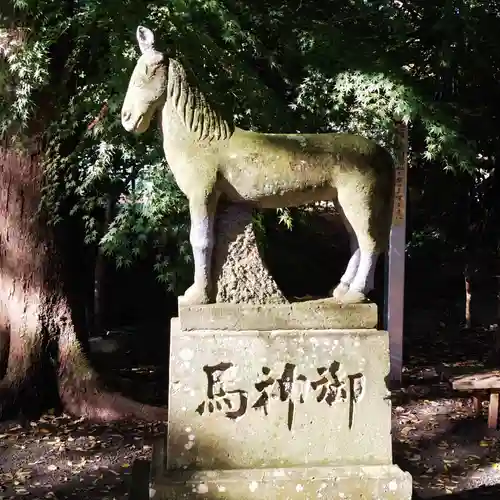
(436, 437)
(59, 457)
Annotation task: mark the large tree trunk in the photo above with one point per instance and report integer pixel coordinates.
(39, 320)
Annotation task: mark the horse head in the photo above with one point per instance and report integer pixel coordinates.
(147, 86)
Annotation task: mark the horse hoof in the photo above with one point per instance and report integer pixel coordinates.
(353, 297)
(194, 296)
(339, 291)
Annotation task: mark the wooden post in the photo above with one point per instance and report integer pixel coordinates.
(477, 404)
(493, 410)
(395, 277)
(496, 343)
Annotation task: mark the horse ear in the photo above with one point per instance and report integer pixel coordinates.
(145, 38)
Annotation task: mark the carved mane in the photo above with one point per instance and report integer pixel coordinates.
(197, 114)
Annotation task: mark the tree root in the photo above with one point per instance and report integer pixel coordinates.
(82, 396)
(22, 359)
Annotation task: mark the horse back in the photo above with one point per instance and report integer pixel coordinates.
(269, 169)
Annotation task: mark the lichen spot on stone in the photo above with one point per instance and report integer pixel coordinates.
(393, 485)
(253, 486)
(221, 489)
(186, 354)
(202, 488)
(299, 488)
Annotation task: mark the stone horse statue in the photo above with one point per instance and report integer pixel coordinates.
(210, 157)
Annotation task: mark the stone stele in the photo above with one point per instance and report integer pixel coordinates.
(292, 413)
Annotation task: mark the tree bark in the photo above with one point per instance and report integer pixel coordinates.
(39, 318)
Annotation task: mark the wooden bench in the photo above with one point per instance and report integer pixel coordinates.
(482, 384)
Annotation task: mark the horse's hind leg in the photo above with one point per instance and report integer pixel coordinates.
(367, 226)
(352, 267)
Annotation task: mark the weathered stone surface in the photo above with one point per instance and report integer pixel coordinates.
(308, 483)
(239, 272)
(327, 402)
(209, 155)
(312, 314)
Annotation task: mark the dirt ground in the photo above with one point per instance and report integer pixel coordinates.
(58, 457)
(436, 438)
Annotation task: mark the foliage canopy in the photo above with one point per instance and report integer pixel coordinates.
(296, 66)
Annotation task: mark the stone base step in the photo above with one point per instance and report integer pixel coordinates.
(386, 482)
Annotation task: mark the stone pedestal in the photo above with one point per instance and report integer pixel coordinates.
(355, 482)
(301, 411)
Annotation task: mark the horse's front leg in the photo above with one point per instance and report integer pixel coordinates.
(201, 236)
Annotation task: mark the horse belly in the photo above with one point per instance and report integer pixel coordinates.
(296, 198)
(270, 189)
